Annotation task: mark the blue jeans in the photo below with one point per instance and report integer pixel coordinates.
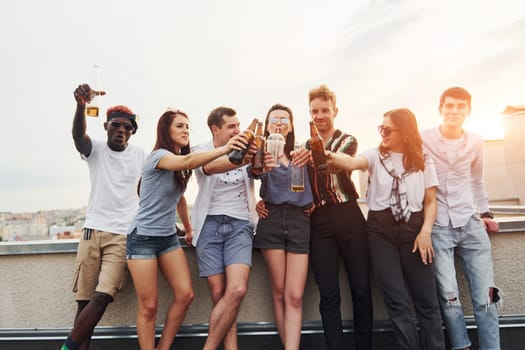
(472, 246)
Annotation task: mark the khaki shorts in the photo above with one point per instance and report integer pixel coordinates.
(100, 265)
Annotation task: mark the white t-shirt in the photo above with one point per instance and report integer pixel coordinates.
(113, 200)
(380, 187)
(229, 195)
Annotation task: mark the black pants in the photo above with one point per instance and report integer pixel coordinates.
(401, 274)
(339, 231)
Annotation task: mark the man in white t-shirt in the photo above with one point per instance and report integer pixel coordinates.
(114, 170)
(224, 218)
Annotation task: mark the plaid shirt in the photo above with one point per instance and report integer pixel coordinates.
(334, 188)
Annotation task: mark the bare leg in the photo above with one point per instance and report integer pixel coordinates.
(225, 311)
(296, 272)
(275, 261)
(175, 269)
(144, 274)
(88, 315)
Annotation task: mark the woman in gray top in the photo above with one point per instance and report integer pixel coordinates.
(152, 242)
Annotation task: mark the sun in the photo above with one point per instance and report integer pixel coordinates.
(489, 126)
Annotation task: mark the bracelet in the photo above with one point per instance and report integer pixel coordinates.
(487, 214)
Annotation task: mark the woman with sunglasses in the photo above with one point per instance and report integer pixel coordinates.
(402, 207)
(152, 242)
(283, 234)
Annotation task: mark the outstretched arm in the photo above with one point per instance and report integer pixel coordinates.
(194, 160)
(83, 94)
(222, 164)
(342, 161)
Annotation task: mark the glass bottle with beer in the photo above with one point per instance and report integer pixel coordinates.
(317, 149)
(92, 107)
(258, 158)
(296, 173)
(236, 156)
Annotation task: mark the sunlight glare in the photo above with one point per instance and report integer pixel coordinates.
(489, 126)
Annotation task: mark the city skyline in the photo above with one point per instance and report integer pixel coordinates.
(376, 55)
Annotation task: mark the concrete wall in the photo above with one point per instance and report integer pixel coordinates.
(35, 290)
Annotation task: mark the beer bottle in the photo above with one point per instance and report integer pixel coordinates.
(235, 156)
(296, 173)
(317, 149)
(258, 158)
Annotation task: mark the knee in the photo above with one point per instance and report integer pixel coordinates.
(452, 300)
(148, 310)
(186, 298)
(278, 294)
(216, 294)
(101, 299)
(237, 292)
(294, 300)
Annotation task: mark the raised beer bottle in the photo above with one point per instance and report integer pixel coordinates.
(258, 158)
(235, 156)
(317, 149)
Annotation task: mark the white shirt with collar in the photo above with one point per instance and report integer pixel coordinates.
(459, 166)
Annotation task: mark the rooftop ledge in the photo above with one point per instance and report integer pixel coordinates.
(508, 224)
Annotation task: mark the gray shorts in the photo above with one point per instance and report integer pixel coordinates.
(223, 241)
(286, 227)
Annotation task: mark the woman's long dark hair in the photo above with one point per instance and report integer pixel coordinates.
(290, 138)
(404, 120)
(164, 141)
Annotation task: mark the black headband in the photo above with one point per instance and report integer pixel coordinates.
(132, 117)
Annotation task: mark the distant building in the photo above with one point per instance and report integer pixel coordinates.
(63, 232)
(505, 160)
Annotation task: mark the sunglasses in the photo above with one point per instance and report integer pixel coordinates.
(117, 125)
(275, 120)
(385, 130)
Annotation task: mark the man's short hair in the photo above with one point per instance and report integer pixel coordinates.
(122, 111)
(215, 117)
(324, 93)
(455, 92)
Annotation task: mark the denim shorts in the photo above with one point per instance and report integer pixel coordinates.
(223, 241)
(149, 247)
(286, 227)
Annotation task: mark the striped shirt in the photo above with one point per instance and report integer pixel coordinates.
(334, 188)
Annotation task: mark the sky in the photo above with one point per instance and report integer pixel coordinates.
(376, 55)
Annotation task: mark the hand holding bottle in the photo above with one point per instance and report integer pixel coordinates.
(236, 143)
(236, 157)
(84, 94)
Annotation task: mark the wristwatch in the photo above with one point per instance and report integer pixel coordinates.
(487, 214)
